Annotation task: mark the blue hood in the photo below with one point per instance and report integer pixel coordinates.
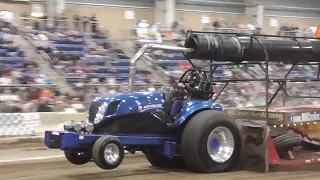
(133, 102)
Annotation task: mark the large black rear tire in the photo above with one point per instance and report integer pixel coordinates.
(195, 136)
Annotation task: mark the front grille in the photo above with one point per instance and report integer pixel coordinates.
(93, 109)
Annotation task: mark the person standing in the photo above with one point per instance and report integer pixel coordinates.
(85, 22)
(94, 23)
(76, 20)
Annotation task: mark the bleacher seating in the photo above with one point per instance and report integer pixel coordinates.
(18, 67)
(177, 63)
(81, 60)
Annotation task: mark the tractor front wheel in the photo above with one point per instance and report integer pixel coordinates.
(211, 142)
(108, 152)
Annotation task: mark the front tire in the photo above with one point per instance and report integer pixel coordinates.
(211, 142)
(78, 156)
(108, 152)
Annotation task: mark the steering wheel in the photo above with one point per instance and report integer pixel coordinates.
(179, 91)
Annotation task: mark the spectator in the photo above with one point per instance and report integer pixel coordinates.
(94, 23)
(5, 107)
(85, 22)
(43, 106)
(7, 95)
(5, 80)
(56, 21)
(45, 93)
(76, 20)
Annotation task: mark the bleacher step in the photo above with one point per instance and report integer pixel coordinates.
(33, 55)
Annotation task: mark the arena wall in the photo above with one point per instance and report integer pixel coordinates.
(118, 25)
(34, 124)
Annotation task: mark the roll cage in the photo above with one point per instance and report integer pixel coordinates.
(205, 86)
(264, 65)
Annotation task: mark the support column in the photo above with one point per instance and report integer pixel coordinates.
(50, 12)
(165, 14)
(257, 14)
(260, 15)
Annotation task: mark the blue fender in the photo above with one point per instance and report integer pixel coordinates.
(194, 106)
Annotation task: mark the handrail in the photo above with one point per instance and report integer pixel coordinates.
(143, 50)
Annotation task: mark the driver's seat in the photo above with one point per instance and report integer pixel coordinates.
(168, 101)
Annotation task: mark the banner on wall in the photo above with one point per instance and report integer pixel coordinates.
(129, 14)
(37, 10)
(60, 6)
(205, 19)
(273, 22)
(18, 124)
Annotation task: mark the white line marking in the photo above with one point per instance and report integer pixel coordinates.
(31, 159)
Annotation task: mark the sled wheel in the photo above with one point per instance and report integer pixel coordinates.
(211, 142)
(108, 152)
(78, 156)
(159, 160)
(286, 142)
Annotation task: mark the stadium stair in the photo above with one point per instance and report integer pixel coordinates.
(32, 53)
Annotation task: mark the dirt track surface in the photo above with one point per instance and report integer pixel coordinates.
(134, 167)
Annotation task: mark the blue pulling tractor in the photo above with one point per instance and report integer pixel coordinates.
(182, 127)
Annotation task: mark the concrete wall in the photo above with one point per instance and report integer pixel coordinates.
(55, 121)
(113, 17)
(192, 20)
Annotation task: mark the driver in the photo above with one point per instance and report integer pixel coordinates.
(193, 88)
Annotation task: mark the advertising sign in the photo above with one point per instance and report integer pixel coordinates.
(273, 117)
(304, 117)
(205, 19)
(129, 14)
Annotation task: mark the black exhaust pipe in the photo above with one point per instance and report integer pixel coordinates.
(224, 48)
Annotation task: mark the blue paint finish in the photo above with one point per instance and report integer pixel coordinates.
(46, 139)
(134, 103)
(193, 106)
(74, 140)
(153, 102)
(169, 149)
(176, 107)
(214, 144)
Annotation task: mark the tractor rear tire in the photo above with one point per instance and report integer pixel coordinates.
(78, 156)
(160, 161)
(196, 145)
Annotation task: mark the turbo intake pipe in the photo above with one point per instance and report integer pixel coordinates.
(234, 49)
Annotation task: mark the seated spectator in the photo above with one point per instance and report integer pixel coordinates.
(5, 80)
(7, 95)
(44, 105)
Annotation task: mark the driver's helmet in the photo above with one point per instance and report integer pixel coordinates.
(194, 79)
